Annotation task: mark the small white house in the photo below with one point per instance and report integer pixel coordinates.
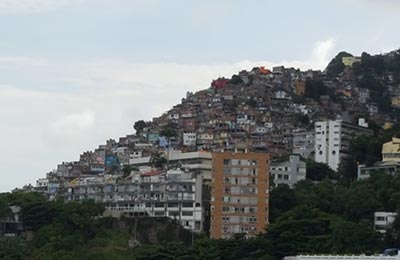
(189, 139)
(383, 220)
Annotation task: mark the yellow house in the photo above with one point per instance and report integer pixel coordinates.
(391, 150)
(300, 88)
(387, 125)
(349, 61)
(396, 101)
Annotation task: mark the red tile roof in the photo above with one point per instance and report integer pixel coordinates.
(152, 173)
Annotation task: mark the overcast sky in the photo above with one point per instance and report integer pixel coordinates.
(74, 73)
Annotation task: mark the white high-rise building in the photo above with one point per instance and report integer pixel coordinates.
(332, 141)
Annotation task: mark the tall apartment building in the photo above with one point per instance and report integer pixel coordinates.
(240, 192)
(332, 141)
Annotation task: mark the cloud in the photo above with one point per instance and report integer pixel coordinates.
(34, 5)
(165, 77)
(21, 61)
(392, 6)
(73, 124)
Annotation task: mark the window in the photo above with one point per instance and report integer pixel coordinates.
(187, 204)
(286, 177)
(187, 213)
(158, 205)
(173, 213)
(173, 205)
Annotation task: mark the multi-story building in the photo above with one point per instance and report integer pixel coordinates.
(304, 143)
(332, 141)
(383, 220)
(198, 162)
(391, 151)
(388, 167)
(189, 139)
(240, 192)
(390, 163)
(174, 194)
(288, 172)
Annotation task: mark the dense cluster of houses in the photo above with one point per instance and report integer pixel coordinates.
(257, 111)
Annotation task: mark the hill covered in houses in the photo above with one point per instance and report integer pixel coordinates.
(261, 110)
(264, 110)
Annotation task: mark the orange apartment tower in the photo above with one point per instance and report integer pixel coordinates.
(239, 195)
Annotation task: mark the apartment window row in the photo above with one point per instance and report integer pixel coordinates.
(239, 219)
(237, 229)
(174, 213)
(240, 200)
(172, 205)
(238, 162)
(280, 169)
(240, 181)
(241, 171)
(239, 210)
(240, 190)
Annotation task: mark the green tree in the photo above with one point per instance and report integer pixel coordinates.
(235, 80)
(315, 88)
(4, 205)
(300, 230)
(127, 169)
(354, 238)
(13, 248)
(282, 199)
(158, 160)
(139, 126)
(318, 171)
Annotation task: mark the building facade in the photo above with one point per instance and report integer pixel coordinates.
(383, 220)
(174, 194)
(391, 151)
(288, 172)
(332, 141)
(390, 163)
(304, 143)
(240, 193)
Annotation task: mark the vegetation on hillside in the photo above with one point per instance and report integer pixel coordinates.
(322, 217)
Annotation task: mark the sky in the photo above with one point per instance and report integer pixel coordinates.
(75, 73)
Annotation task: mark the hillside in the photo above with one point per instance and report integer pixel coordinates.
(238, 111)
(261, 110)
